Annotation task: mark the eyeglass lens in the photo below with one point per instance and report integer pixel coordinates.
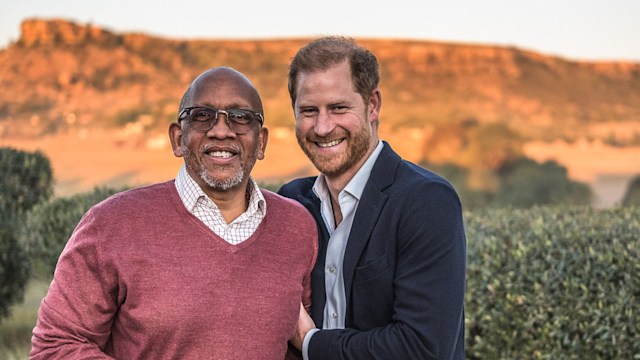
(203, 119)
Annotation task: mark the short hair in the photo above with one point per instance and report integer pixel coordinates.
(326, 52)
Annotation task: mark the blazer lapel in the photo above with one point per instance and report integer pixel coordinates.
(368, 212)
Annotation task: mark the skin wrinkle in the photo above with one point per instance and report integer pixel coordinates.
(220, 185)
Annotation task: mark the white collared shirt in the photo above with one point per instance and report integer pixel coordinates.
(335, 307)
(348, 199)
(202, 207)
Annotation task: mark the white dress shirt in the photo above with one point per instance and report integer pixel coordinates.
(348, 200)
(202, 207)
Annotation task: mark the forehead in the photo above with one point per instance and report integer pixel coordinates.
(334, 82)
(223, 91)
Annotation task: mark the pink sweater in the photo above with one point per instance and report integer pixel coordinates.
(142, 278)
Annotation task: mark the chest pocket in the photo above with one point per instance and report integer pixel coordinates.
(372, 269)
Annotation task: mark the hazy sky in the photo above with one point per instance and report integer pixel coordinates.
(574, 29)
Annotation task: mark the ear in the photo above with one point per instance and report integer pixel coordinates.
(375, 104)
(175, 137)
(262, 139)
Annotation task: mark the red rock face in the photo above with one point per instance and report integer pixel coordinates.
(441, 101)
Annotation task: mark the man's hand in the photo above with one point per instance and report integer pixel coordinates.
(305, 323)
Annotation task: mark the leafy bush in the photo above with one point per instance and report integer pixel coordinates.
(521, 183)
(553, 283)
(49, 225)
(25, 180)
(525, 183)
(632, 195)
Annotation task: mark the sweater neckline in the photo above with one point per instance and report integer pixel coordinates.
(211, 236)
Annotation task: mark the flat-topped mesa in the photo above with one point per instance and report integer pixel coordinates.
(59, 31)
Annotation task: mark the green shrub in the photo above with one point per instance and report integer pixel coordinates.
(49, 225)
(273, 186)
(520, 183)
(25, 180)
(459, 176)
(553, 283)
(526, 183)
(632, 195)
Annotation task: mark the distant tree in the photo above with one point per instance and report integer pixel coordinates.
(525, 183)
(489, 146)
(273, 186)
(49, 225)
(26, 179)
(632, 195)
(459, 177)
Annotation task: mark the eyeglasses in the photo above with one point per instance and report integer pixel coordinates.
(203, 119)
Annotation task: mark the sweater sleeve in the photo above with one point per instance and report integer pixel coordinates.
(306, 294)
(75, 317)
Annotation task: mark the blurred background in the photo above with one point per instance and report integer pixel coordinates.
(518, 104)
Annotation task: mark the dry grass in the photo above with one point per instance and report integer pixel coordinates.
(15, 331)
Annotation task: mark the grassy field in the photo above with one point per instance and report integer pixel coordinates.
(15, 331)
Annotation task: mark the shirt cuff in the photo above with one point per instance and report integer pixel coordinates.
(305, 343)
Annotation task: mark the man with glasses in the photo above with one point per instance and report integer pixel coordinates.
(205, 266)
(390, 277)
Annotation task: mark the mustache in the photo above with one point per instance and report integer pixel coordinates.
(220, 146)
(332, 136)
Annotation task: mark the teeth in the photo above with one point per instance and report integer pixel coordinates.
(221, 154)
(331, 143)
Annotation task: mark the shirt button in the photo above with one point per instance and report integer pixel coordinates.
(332, 269)
(334, 315)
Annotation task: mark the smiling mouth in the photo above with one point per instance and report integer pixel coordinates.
(329, 144)
(220, 154)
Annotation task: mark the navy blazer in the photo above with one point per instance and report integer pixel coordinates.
(404, 267)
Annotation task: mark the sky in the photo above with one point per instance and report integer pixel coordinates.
(586, 30)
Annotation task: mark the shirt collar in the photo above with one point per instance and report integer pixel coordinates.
(190, 192)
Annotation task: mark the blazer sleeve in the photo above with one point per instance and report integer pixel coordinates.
(429, 285)
(75, 317)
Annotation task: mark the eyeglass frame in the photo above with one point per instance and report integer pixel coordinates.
(217, 112)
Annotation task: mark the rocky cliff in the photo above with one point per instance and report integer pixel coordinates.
(59, 70)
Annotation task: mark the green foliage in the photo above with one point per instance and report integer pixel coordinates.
(459, 178)
(25, 180)
(49, 225)
(491, 145)
(521, 183)
(632, 195)
(553, 283)
(15, 330)
(273, 186)
(525, 183)
(14, 271)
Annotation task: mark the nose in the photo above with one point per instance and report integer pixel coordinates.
(221, 129)
(324, 124)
